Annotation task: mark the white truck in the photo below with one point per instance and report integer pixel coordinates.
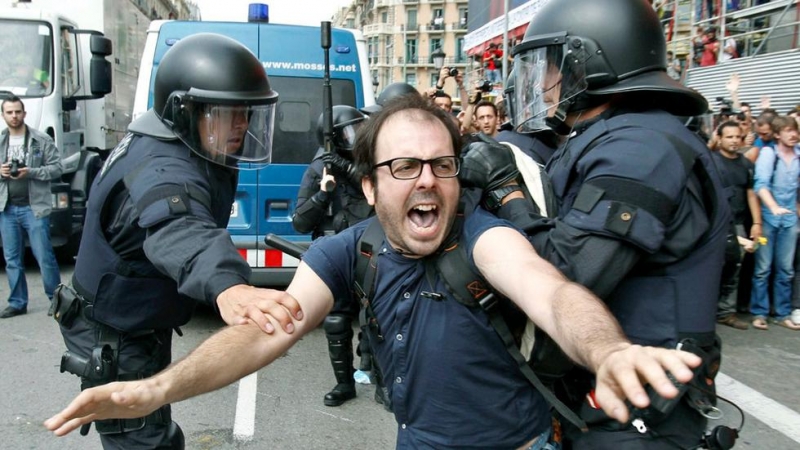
(53, 55)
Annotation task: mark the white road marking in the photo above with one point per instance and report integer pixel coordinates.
(768, 411)
(244, 424)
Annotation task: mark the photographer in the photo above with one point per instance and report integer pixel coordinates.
(435, 93)
(710, 47)
(30, 161)
(468, 118)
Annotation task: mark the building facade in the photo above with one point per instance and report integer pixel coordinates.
(401, 35)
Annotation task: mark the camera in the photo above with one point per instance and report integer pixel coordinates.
(725, 106)
(452, 71)
(16, 164)
(485, 86)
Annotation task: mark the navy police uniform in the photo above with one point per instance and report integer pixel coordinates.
(154, 242)
(347, 204)
(642, 222)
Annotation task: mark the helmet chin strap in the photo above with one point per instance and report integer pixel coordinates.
(557, 121)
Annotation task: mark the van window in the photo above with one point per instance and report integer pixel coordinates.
(299, 107)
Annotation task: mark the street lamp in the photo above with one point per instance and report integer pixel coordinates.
(375, 84)
(438, 58)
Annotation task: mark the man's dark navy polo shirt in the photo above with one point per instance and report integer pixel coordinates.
(452, 382)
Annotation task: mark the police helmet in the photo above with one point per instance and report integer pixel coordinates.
(213, 94)
(346, 122)
(389, 92)
(569, 60)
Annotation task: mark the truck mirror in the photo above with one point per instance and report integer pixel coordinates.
(100, 45)
(100, 69)
(100, 76)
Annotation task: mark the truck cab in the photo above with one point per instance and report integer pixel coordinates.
(56, 67)
(293, 58)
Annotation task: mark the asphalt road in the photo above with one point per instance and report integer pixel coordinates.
(760, 373)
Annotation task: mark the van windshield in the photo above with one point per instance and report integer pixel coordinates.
(26, 55)
(299, 108)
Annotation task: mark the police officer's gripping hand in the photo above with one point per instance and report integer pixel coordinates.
(341, 167)
(241, 303)
(487, 165)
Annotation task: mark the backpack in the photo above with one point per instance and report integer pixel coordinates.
(470, 289)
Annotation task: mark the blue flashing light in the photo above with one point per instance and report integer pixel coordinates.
(258, 12)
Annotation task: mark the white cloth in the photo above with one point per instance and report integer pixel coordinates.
(531, 172)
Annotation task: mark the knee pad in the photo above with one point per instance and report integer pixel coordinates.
(338, 327)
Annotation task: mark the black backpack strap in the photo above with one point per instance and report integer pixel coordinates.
(470, 289)
(366, 271)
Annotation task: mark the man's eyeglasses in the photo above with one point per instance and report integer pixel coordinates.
(411, 168)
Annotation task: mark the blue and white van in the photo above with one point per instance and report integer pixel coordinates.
(294, 61)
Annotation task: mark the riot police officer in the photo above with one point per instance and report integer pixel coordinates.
(329, 200)
(154, 240)
(642, 217)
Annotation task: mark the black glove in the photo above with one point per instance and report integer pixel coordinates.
(487, 165)
(341, 167)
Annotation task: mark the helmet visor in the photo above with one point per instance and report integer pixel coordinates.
(232, 134)
(544, 79)
(345, 137)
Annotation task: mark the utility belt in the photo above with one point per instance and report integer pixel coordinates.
(134, 303)
(699, 394)
(102, 365)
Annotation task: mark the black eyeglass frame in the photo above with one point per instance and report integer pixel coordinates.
(388, 163)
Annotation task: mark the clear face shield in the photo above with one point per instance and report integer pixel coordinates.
(228, 135)
(233, 134)
(546, 76)
(345, 136)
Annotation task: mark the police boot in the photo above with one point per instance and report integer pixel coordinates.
(339, 331)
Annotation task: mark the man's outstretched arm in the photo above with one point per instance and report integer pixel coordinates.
(229, 355)
(579, 322)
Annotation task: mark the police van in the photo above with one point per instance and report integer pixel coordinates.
(293, 58)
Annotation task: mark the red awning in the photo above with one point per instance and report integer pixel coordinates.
(515, 33)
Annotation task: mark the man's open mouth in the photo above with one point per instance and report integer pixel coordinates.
(424, 216)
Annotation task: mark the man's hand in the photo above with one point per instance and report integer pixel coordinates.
(622, 373)
(780, 211)
(241, 302)
(5, 170)
(23, 172)
(444, 73)
(765, 102)
(327, 183)
(750, 139)
(733, 83)
(109, 401)
(487, 165)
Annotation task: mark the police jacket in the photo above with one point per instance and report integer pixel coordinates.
(154, 240)
(44, 165)
(642, 222)
(348, 206)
